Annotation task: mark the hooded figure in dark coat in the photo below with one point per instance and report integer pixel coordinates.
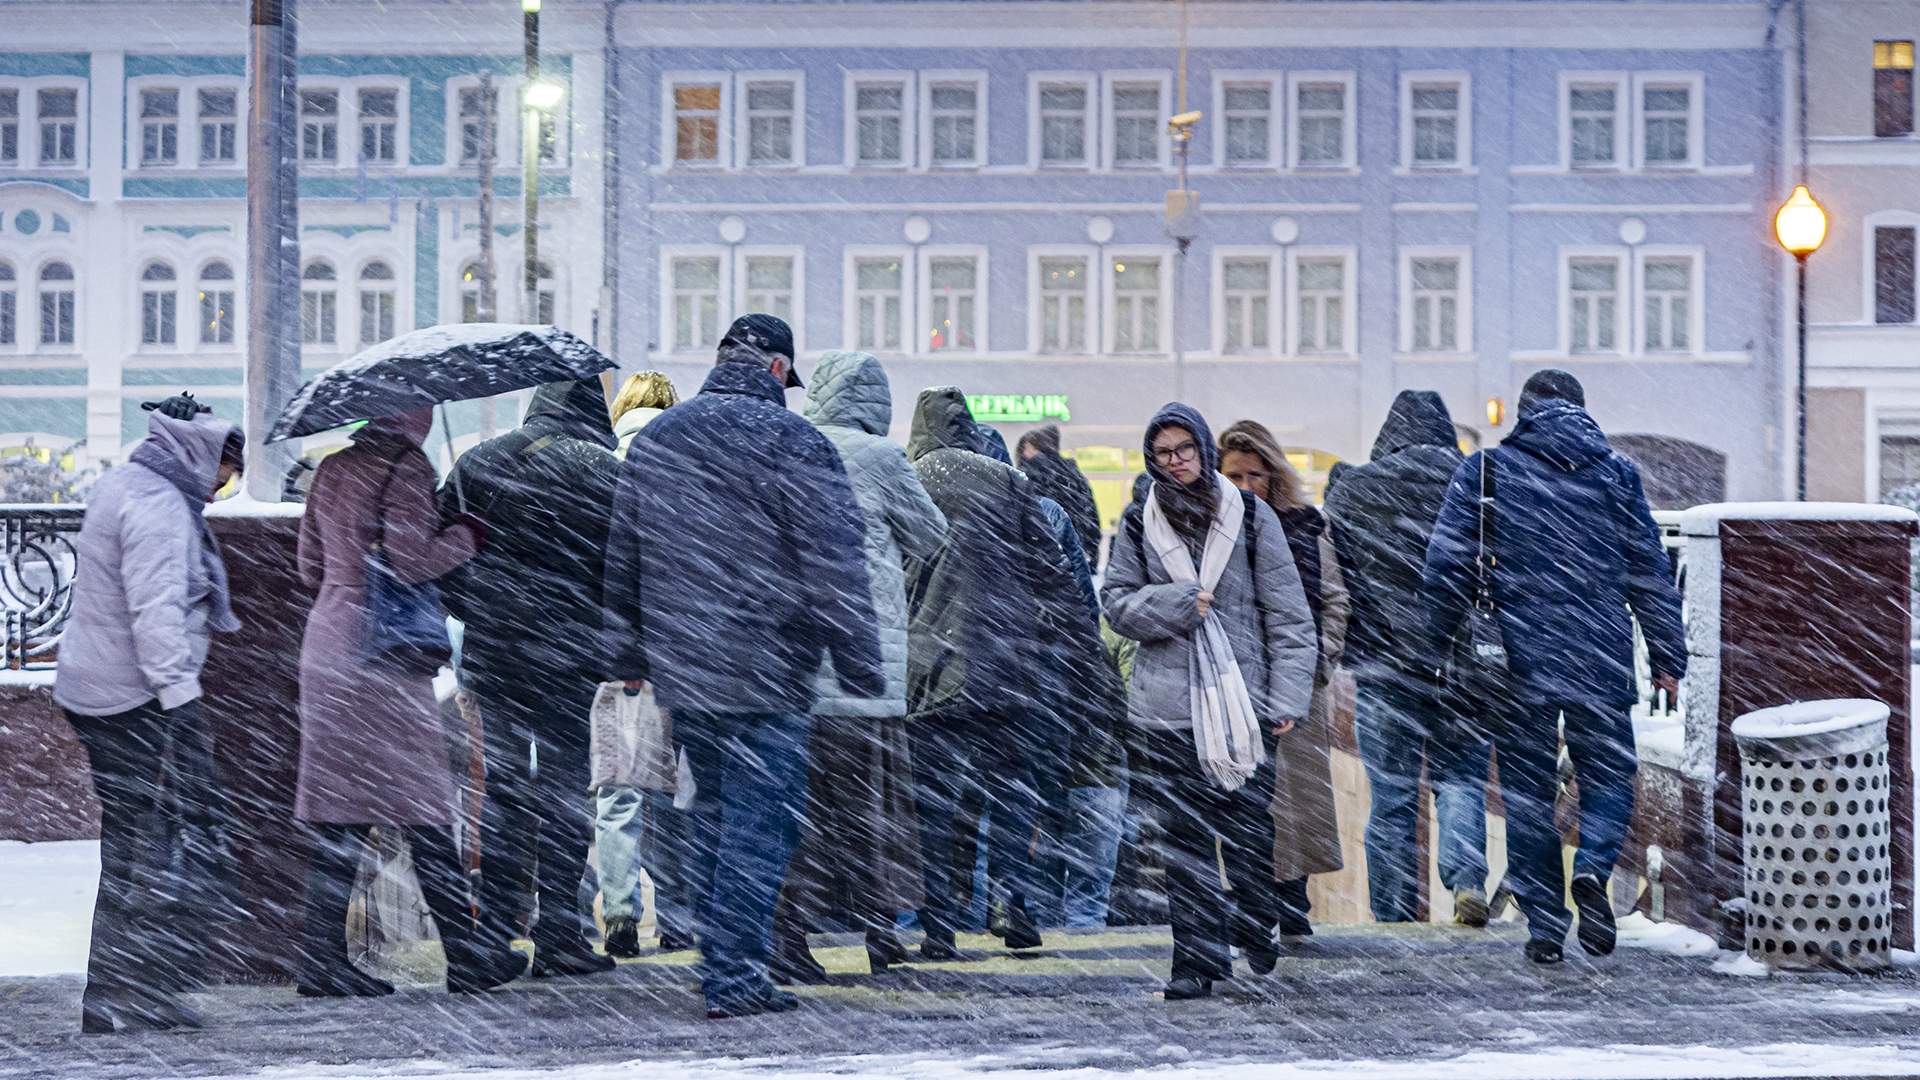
(1382, 514)
(1058, 478)
(1574, 550)
(533, 656)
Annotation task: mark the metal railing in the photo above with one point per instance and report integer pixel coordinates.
(36, 581)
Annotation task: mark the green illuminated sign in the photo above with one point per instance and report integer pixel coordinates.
(1018, 408)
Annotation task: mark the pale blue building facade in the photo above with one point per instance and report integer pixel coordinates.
(1393, 195)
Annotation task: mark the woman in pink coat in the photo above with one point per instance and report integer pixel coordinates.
(372, 750)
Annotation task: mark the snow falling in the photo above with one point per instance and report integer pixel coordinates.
(794, 538)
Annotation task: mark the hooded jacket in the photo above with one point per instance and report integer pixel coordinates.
(850, 400)
(1382, 514)
(736, 559)
(143, 589)
(1576, 549)
(531, 598)
(1054, 477)
(1258, 600)
(976, 643)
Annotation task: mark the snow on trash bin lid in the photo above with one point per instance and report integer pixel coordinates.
(1810, 729)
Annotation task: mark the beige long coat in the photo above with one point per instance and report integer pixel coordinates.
(1306, 830)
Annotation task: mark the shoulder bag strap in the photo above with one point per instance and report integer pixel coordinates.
(1486, 560)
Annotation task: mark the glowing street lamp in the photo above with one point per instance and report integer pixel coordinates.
(1800, 225)
(545, 94)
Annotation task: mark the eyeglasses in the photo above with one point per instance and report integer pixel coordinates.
(1183, 453)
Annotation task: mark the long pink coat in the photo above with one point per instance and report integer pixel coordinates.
(372, 750)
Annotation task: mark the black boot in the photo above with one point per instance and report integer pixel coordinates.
(341, 982)
(1188, 988)
(475, 969)
(792, 963)
(1596, 914)
(102, 1012)
(551, 961)
(623, 938)
(1021, 933)
(938, 947)
(884, 950)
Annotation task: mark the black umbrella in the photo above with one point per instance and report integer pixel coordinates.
(433, 366)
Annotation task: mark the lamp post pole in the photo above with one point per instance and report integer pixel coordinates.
(1800, 331)
(273, 240)
(530, 163)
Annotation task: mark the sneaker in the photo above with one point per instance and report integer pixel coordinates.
(1188, 988)
(623, 938)
(1469, 908)
(1544, 952)
(672, 942)
(1596, 914)
(1502, 900)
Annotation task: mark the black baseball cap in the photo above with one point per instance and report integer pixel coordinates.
(767, 333)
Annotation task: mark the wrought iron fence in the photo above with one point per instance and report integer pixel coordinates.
(36, 581)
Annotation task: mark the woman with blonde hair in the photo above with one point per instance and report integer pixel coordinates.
(1307, 834)
(642, 397)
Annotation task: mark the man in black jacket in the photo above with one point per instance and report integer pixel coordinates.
(1383, 514)
(533, 655)
(1057, 478)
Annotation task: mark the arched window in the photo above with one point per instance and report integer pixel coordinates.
(217, 309)
(56, 304)
(544, 293)
(470, 281)
(8, 317)
(378, 302)
(159, 305)
(319, 304)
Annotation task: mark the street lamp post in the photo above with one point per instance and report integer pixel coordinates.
(1800, 225)
(530, 162)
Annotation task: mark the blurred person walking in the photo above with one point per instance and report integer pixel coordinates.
(534, 658)
(1201, 575)
(1382, 515)
(1574, 549)
(372, 748)
(859, 853)
(150, 590)
(736, 565)
(636, 833)
(1307, 831)
(1059, 478)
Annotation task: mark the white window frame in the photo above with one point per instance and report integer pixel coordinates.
(30, 336)
(171, 287)
(189, 143)
(11, 288)
(1276, 85)
(1624, 333)
(1696, 296)
(1463, 313)
(669, 253)
(928, 79)
(1085, 80)
(1295, 80)
(236, 316)
(923, 294)
(346, 119)
(360, 287)
(1462, 82)
(742, 119)
(1349, 300)
(341, 342)
(908, 121)
(403, 104)
(1089, 257)
(1109, 137)
(1108, 328)
(238, 119)
(1276, 296)
(1695, 84)
(738, 276)
(137, 122)
(850, 258)
(18, 122)
(1869, 267)
(502, 112)
(29, 121)
(670, 128)
(1624, 124)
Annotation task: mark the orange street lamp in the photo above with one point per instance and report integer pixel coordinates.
(1800, 225)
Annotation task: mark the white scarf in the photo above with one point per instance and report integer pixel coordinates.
(1226, 733)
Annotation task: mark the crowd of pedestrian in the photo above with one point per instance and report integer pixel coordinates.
(894, 688)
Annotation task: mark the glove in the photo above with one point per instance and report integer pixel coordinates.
(181, 406)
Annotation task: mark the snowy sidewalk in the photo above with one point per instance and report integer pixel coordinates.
(1433, 1003)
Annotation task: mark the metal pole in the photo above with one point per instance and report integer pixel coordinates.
(530, 167)
(1800, 326)
(273, 240)
(1173, 324)
(485, 309)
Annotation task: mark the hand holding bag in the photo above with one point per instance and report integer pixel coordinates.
(406, 624)
(632, 744)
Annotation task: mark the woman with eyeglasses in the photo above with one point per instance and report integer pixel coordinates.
(1307, 837)
(1201, 576)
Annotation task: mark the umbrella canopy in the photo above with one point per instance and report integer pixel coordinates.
(439, 364)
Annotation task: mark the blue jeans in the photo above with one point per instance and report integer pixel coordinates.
(965, 767)
(751, 773)
(1096, 816)
(617, 827)
(1600, 742)
(1398, 728)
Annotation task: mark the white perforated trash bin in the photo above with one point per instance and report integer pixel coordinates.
(1816, 827)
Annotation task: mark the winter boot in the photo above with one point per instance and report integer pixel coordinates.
(1188, 988)
(101, 1013)
(1020, 933)
(1596, 914)
(792, 963)
(550, 962)
(1469, 908)
(1544, 951)
(623, 937)
(475, 969)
